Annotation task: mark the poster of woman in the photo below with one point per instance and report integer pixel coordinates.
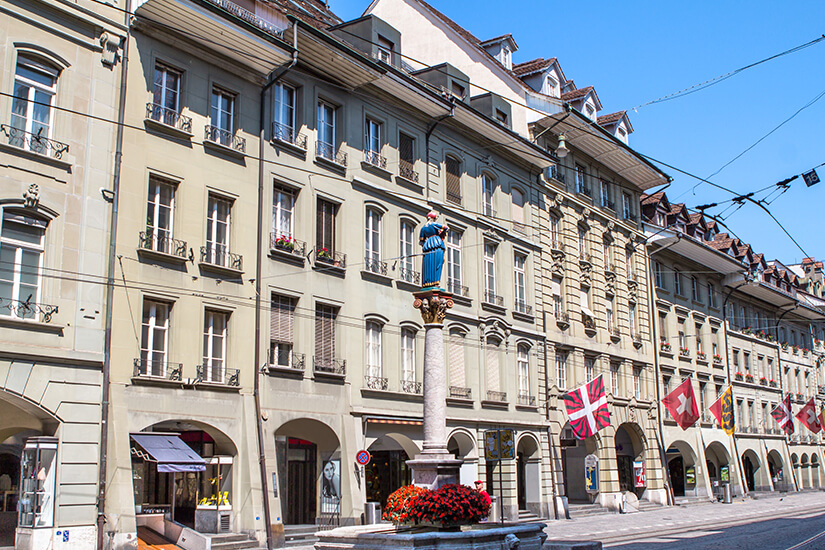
(331, 479)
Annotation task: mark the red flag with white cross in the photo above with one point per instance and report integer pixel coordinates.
(783, 415)
(587, 408)
(681, 403)
(807, 415)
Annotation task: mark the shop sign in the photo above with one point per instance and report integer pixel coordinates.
(591, 474)
(724, 474)
(690, 475)
(640, 473)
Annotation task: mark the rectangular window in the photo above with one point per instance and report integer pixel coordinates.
(581, 181)
(582, 243)
(694, 284)
(159, 216)
(659, 275)
(519, 261)
(626, 212)
(677, 282)
(385, 48)
(325, 228)
(663, 332)
(561, 369)
(406, 157)
(457, 90)
(281, 330)
(489, 273)
(456, 358)
(217, 231)
(21, 263)
(589, 368)
(372, 143)
(407, 252)
(283, 113)
(746, 356)
(214, 346)
(325, 337)
(154, 341)
(614, 378)
(38, 472)
(487, 189)
(407, 355)
(523, 371)
(628, 262)
(555, 289)
(711, 296)
(373, 357)
(453, 179)
(604, 194)
(453, 246)
(492, 352)
(637, 382)
(736, 358)
(631, 319)
(326, 131)
(608, 304)
(372, 247)
(606, 255)
(283, 215)
(771, 374)
(714, 340)
(556, 241)
(682, 334)
(166, 95)
(35, 86)
(699, 348)
(223, 116)
(702, 390)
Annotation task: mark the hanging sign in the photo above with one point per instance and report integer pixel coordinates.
(811, 178)
(500, 444)
(640, 473)
(362, 457)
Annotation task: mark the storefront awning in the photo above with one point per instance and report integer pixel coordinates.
(170, 452)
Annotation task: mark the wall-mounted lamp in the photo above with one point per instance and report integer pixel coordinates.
(562, 150)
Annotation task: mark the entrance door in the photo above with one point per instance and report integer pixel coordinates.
(626, 480)
(386, 472)
(676, 468)
(749, 472)
(521, 476)
(301, 476)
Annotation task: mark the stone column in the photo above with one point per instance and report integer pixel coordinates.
(435, 466)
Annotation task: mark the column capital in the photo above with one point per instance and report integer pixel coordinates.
(433, 305)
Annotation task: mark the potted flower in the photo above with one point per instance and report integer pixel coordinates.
(763, 381)
(323, 254)
(738, 376)
(749, 378)
(665, 346)
(784, 346)
(772, 383)
(796, 350)
(450, 506)
(747, 330)
(285, 242)
(701, 355)
(399, 504)
(684, 351)
(717, 358)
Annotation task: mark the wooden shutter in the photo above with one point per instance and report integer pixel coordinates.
(282, 319)
(453, 179)
(325, 332)
(406, 146)
(493, 382)
(456, 357)
(325, 224)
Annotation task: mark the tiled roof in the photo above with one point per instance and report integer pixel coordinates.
(533, 66)
(499, 39)
(576, 94)
(652, 199)
(612, 118)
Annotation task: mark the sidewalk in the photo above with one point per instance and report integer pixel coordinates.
(673, 519)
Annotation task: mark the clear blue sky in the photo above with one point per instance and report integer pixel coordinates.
(634, 52)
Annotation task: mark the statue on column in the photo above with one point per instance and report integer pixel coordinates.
(431, 240)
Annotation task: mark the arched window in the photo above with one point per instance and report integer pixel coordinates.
(372, 249)
(518, 209)
(523, 368)
(487, 190)
(493, 368)
(22, 243)
(373, 362)
(408, 360)
(35, 86)
(408, 272)
(453, 179)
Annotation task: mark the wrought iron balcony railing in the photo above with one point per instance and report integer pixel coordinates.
(406, 171)
(410, 386)
(499, 396)
(493, 299)
(409, 275)
(374, 158)
(154, 240)
(286, 360)
(457, 392)
(216, 254)
(375, 383)
(334, 259)
(375, 266)
(27, 310)
(453, 197)
(36, 143)
(457, 288)
(523, 308)
(287, 244)
(557, 245)
(151, 368)
(329, 365)
(524, 398)
(327, 151)
(249, 17)
(218, 375)
(169, 117)
(585, 257)
(224, 137)
(488, 211)
(287, 134)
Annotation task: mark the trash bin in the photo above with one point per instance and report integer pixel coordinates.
(726, 496)
(494, 511)
(372, 513)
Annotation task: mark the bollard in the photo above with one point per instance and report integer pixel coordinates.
(726, 494)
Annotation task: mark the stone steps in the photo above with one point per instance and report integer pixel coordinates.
(300, 535)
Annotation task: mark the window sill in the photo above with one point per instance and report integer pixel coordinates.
(390, 395)
(65, 162)
(167, 129)
(502, 405)
(501, 310)
(408, 183)
(284, 371)
(164, 256)
(223, 149)
(523, 317)
(377, 170)
(376, 277)
(330, 269)
(216, 386)
(401, 284)
(288, 147)
(331, 165)
(287, 257)
(221, 269)
(322, 376)
(462, 300)
(148, 380)
(30, 324)
(460, 402)
(527, 408)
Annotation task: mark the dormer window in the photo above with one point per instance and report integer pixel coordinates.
(457, 90)
(385, 48)
(589, 110)
(501, 116)
(506, 57)
(552, 86)
(622, 133)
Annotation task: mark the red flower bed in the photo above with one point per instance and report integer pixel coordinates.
(399, 504)
(450, 505)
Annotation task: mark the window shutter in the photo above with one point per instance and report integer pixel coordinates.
(456, 355)
(282, 319)
(493, 375)
(405, 151)
(325, 225)
(325, 333)
(453, 179)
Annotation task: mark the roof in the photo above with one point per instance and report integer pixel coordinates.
(612, 118)
(576, 94)
(533, 66)
(501, 38)
(312, 12)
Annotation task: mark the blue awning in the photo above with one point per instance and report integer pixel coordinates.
(169, 451)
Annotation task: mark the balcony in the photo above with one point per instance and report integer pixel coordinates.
(34, 143)
(563, 320)
(157, 370)
(455, 287)
(457, 392)
(589, 323)
(585, 258)
(373, 159)
(286, 134)
(375, 383)
(488, 210)
(377, 267)
(409, 276)
(523, 308)
(702, 356)
(407, 171)
(557, 246)
(326, 152)
(28, 310)
(287, 361)
(637, 341)
(287, 244)
(773, 384)
(615, 335)
(411, 386)
(665, 347)
(497, 396)
(216, 255)
(224, 138)
(169, 118)
(610, 268)
(717, 359)
(164, 245)
(684, 352)
(329, 366)
(526, 400)
(220, 376)
(493, 299)
(324, 257)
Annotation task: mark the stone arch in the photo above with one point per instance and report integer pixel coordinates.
(753, 472)
(805, 470)
(681, 458)
(528, 473)
(630, 445)
(401, 440)
(224, 445)
(776, 471)
(573, 453)
(816, 481)
(463, 445)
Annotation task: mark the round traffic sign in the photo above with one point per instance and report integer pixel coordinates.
(362, 457)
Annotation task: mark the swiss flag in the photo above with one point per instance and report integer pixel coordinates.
(783, 414)
(809, 417)
(681, 403)
(587, 408)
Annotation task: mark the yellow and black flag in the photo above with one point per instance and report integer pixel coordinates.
(722, 409)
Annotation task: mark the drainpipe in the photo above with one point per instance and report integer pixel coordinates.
(656, 368)
(432, 126)
(110, 289)
(273, 79)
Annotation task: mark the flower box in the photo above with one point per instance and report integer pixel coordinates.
(772, 383)
(763, 381)
(738, 376)
(717, 358)
(665, 346)
(749, 378)
(701, 356)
